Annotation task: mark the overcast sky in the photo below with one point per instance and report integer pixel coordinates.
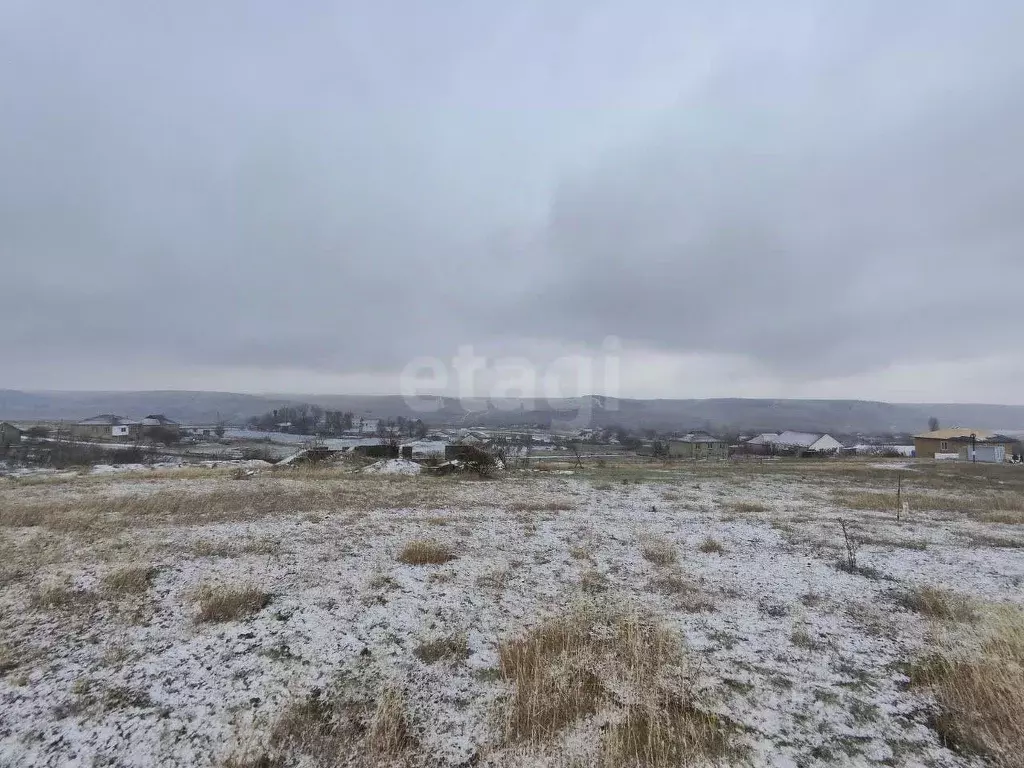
(803, 198)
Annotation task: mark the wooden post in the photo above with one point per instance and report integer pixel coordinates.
(899, 494)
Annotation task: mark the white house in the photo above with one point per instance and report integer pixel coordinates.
(807, 442)
(368, 426)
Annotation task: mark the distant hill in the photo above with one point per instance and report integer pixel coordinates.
(722, 414)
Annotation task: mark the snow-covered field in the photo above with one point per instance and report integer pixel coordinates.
(105, 658)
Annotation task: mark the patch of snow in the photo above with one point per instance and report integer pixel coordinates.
(394, 467)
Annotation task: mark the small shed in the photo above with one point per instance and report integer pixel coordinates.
(984, 453)
(698, 445)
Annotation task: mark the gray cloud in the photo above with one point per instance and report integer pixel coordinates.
(342, 187)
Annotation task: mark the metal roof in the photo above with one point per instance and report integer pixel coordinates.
(957, 433)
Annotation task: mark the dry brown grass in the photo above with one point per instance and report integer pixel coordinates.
(222, 548)
(340, 728)
(593, 581)
(624, 663)
(865, 501)
(979, 687)
(129, 580)
(63, 597)
(389, 735)
(222, 603)
(883, 540)
(542, 505)
(450, 647)
(496, 578)
(711, 546)
(579, 553)
(994, 541)
(659, 551)
(1006, 517)
(664, 730)
(939, 604)
(686, 594)
(746, 507)
(426, 552)
(216, 500)
(984, 504)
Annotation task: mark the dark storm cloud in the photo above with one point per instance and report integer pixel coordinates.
(343, 187)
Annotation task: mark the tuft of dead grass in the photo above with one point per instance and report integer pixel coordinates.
(747, 507)
(496, 578)
(939, 604)
(664, 731)
(218, 500)
(453, 647)
(686, 594)
(222, 603)
(426, 552)
(622, 662)
(659, 551)
(995, 542)
(579, 553)
(63, 597)
(1006, 517)
(389, 735)
(341, 727)
(711, 546)
(129, 580)
(542, 505)
(979, 687)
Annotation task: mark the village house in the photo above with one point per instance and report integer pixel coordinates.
(801, 443)
(107, 426)
(158, 425)
(698, 445)
(9, 435)
(760, 445)
(966, 444)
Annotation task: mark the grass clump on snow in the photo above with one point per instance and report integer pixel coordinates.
(426, 552)
(659, 552)
(221, 603)
(455, 647)
(335, 727)
(979, 687)
(551, 505)
(619, 662)
(130, 580)
(939, 604)
(63, 597)
(748, 507)
(711, 546)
